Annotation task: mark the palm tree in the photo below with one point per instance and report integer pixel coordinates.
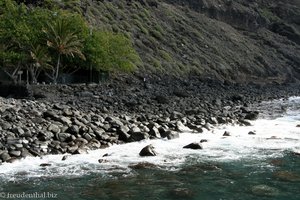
(61, 38)
(39, 59)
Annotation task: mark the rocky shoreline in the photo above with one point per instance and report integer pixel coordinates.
(72, 119)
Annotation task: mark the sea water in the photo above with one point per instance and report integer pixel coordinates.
(241, 166)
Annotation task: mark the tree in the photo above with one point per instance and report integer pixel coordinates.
(63, 39)
(10, 61)
(107, 51)
(20, 34)
(40, 60)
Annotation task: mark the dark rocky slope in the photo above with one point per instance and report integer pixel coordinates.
(234, 40)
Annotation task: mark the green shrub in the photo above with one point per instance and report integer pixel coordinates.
(156, 34)
(165, 55)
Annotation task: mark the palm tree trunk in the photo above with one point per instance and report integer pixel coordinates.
(33, 75)
(57, 69)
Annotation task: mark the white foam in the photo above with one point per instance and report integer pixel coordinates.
(273, 137)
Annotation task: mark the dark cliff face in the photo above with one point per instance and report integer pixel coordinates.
(235, 40)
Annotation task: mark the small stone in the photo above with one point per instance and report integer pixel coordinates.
(203, 140)
(63, 136)
(18, 131)
(53, 128)
(65, 120)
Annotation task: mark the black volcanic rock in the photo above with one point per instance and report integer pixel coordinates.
(148, 151)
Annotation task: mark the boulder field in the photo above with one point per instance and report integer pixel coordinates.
(59, 119)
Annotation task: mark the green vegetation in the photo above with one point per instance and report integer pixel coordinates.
(110, 52)
(51, 40)
(268, 14)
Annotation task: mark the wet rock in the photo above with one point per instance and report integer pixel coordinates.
(65, 157)
(45, 165)
(63, 137)
(296, 153)
(182, 128)
(203, 140)
(81, 151)
(287, 176)
(277, 162)
(123, 133)
(94, 144)
(183, 193)
(264, 190)
(143, 165)
(154, 132)
(251, 133)
(71, 149)
(102, 161)
(138, 136)
(34, 152)
(244, 122)
(25, 153)
(226, 133)
(194, 145)
(170, 135)
(15, 153)
(4, 156)
(213, 120)
(196, 128)
(253, 115)
(148, 151)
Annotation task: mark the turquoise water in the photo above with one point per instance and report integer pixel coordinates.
(242, 166)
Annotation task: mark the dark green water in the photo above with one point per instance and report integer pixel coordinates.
(276, 178)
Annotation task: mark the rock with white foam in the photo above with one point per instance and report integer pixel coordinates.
(148, 151)
(194, 145)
